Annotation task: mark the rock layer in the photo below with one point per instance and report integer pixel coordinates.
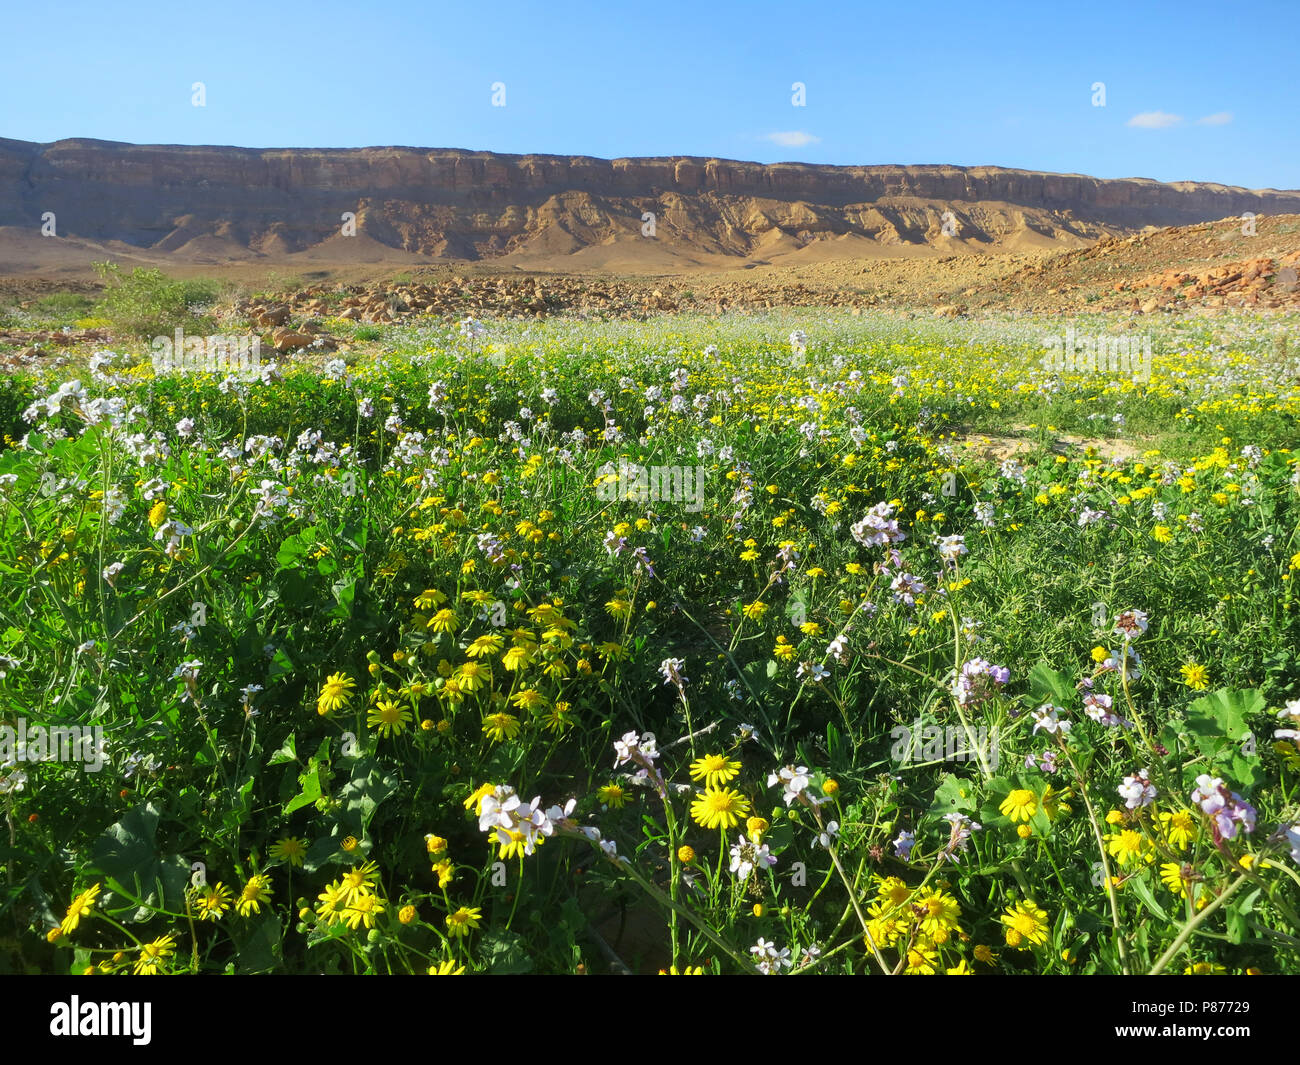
(221, 203)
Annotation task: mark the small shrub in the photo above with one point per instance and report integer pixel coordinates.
(146, 303)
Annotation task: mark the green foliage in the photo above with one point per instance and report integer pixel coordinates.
(145, 303)
(63, 307)
(298, 665)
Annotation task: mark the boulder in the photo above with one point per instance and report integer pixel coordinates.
(273, 316)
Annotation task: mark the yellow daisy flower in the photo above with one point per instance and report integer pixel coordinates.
(1128, 846)
(336, 693)
(485, 646)
(1019, 805)
(389, 717)
(333, 901)
(256, 892)
(291, 849)
(212, 902)
(719, 808)
(359, 879)
(79, 908)
(444, 621)
(1179, 828)
(516, 658)
(1025, 921)
(1195, 676)
(714, 769)
(463, 921)
(500, 726)
(362, 910)
(153, 955)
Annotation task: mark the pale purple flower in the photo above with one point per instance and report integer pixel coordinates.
(1044, 763)
(746, 856)
(671, 669)
(1292, 833)
(816, 670)
(1227, 809)
(878, 529)
(1137, 790)
(903, 845)
(1131, 624)
(951, 548)
(961, 828)
(1047, 718)
(187, 671)
(642, 561)
(794, 781)
(1099, 707)
(977, 680)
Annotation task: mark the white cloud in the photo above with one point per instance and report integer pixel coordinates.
(1154, 120)
(1219, 118)
(795, 138)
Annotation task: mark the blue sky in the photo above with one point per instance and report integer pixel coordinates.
(1194, 91)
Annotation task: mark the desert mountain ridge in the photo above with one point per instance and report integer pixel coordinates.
(226, 205)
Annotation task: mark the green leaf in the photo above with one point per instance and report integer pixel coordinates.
(1235, 925)
(239, 805)
(1143, 891)
(1223, 713)
(503, 952)
(758, 674)
(260, 946)
(323, 851)
(295, 588)
(309, 794)
(344, 592)
(1245, 772)
(1047, 685)
(288, 752)
(1041, 823)
(127, 854)
(953, 796)
(129, 844)
(281, 665)
(36, 894)
(368, 787)
(295, 547)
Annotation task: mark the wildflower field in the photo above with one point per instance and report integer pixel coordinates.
(780, 644)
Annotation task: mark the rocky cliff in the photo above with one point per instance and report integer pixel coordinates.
(221, 203)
